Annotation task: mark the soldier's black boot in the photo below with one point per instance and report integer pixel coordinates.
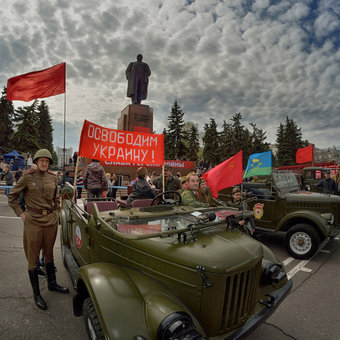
(39, 301)
(52, 281)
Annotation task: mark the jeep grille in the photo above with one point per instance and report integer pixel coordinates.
(240, 297)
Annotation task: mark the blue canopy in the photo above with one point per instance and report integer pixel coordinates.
(18, 160)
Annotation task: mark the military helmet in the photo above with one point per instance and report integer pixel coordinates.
(43, 153)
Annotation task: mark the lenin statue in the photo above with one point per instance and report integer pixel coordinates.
(137, 74)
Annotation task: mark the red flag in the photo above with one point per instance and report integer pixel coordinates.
(225, 175)
(38, 84)
(304, 155)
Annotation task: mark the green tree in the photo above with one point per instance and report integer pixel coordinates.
(211, 143)
(241, 138)
(289, 139)
(281, 154)
(258, 142)
(193, 143)
(225, 141)
(26, 136)
(44, 125)
(176, 137)
(6, 117)
(166, 146)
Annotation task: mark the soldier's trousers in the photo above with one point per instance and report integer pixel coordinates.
(37, 238)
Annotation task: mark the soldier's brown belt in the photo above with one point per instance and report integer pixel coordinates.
(42, 212)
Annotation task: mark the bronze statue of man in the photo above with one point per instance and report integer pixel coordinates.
(137, 74)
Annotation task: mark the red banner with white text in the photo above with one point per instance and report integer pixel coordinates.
(173, 164)
(109, 145)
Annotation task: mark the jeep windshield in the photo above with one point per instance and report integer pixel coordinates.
(166, 224)
(285, 181)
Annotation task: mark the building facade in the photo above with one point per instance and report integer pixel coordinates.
(68, 155)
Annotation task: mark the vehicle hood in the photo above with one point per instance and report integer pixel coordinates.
(218, 252)
(304, 196)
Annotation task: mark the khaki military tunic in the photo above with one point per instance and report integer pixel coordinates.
(40, 191)
(172, 184)
(190, 198)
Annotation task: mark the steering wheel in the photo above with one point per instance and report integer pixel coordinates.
(167, 201)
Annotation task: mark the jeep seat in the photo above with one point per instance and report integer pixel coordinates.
(142, 203)
(102, 206)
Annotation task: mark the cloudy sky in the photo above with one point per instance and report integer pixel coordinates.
(264, 58)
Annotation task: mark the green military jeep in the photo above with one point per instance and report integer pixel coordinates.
(167, 272)
(279, 205)
(310, 177)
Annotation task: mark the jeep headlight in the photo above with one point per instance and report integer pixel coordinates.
(273, 274)
(179, 326)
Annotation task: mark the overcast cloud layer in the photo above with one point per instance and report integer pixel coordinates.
(265, 59)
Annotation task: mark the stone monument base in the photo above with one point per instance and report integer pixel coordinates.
(136, 117)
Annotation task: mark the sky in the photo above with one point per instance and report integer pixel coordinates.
(267, 59)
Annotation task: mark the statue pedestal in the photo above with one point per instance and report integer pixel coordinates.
(136, 117)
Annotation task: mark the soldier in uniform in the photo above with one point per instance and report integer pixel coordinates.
(40, 190)
(247, 225)
(172, 183)
(190, 193)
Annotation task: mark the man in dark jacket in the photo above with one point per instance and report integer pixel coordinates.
(8, 177)
(171, 183)
(95, 180)
(327, 185)
(141, 188)
(18, 174)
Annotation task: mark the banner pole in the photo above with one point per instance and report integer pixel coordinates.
(163, 179)
(75, 180)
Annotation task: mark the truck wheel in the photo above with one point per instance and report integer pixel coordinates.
(302, 241)
(93, 328)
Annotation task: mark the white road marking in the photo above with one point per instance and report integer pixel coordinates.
(304, 269)
(337, 238)
(297, 268)
(301, 264)
(324, 251)
(287, 261)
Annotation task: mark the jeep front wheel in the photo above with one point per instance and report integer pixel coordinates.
(302, 241)
(92, 324)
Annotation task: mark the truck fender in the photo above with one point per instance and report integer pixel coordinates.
(127, 302)
(303, 216)
(63, 226)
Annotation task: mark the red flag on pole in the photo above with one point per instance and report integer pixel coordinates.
(225, 175)
(38, 84)
(304, 155)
